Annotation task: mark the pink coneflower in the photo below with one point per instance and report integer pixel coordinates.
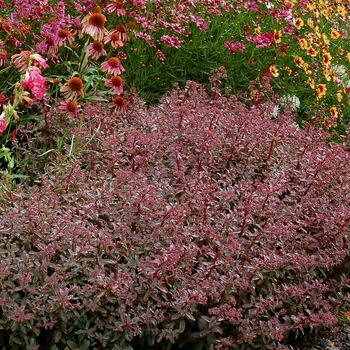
(116, 6)
(116, 84)
(121, 30)
(3, 56)
(73, 88)
(69, 107)
(21, 61)
(118, 103)
(114, 38)
(64, 36)
(112, 66)
(96, 50)
(93, 24)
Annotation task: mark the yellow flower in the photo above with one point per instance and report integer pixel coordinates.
(340, 51)
(306, 69)
(327, 74)
(311, 51)
(277, 36)
(339, 95)
(273, 70)
(310, 23)
(325, 39)
(299, 61)
(289, 71)
(320, 91)
(303, 44)
(334, 34)
(326, 58)
(325, 13)
(334, 112)
(341, 11)
(299, 23)
(311, 82)
(348, 56)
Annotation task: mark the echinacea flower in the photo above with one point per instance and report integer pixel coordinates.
(64, 36)
(93, 24)
(96, 50)
(116, 84)
(69, 107)
(73, 88)
(117, 7)
(21, 61)
(114, 38)
(3, 56)
(121, 30)
(112, 66)
(118, 103)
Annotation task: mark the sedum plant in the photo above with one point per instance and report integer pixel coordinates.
(200, 223)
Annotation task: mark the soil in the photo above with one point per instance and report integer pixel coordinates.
(325, 339)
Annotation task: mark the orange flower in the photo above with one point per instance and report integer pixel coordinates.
(310, 82)
(334, 34)
(289, 71)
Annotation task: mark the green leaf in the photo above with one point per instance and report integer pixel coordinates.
(57, 336)
(72, 345)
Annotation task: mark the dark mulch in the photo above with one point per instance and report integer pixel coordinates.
(325, 339)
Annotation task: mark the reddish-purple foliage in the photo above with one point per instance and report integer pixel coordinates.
(198, 221)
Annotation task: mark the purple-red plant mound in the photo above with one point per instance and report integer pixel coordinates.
(200, 222)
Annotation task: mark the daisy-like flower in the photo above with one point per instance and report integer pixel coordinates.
(273, 70)
(21, 61)
(114, 38)
(96, 50)
(311, 51)
(132, 26)
(64, 36)
(326, 58)
(335, 34)
(277, 35)
(69, 107)
(303, 44)
(334, 112)
(3, 56)
(94, 25)
(118, 103)
(320, 91)
(116, 84)
(299, 23)
(298, 61)
(121, 30)
(113, 66)
(116, 6)
(73, 88)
